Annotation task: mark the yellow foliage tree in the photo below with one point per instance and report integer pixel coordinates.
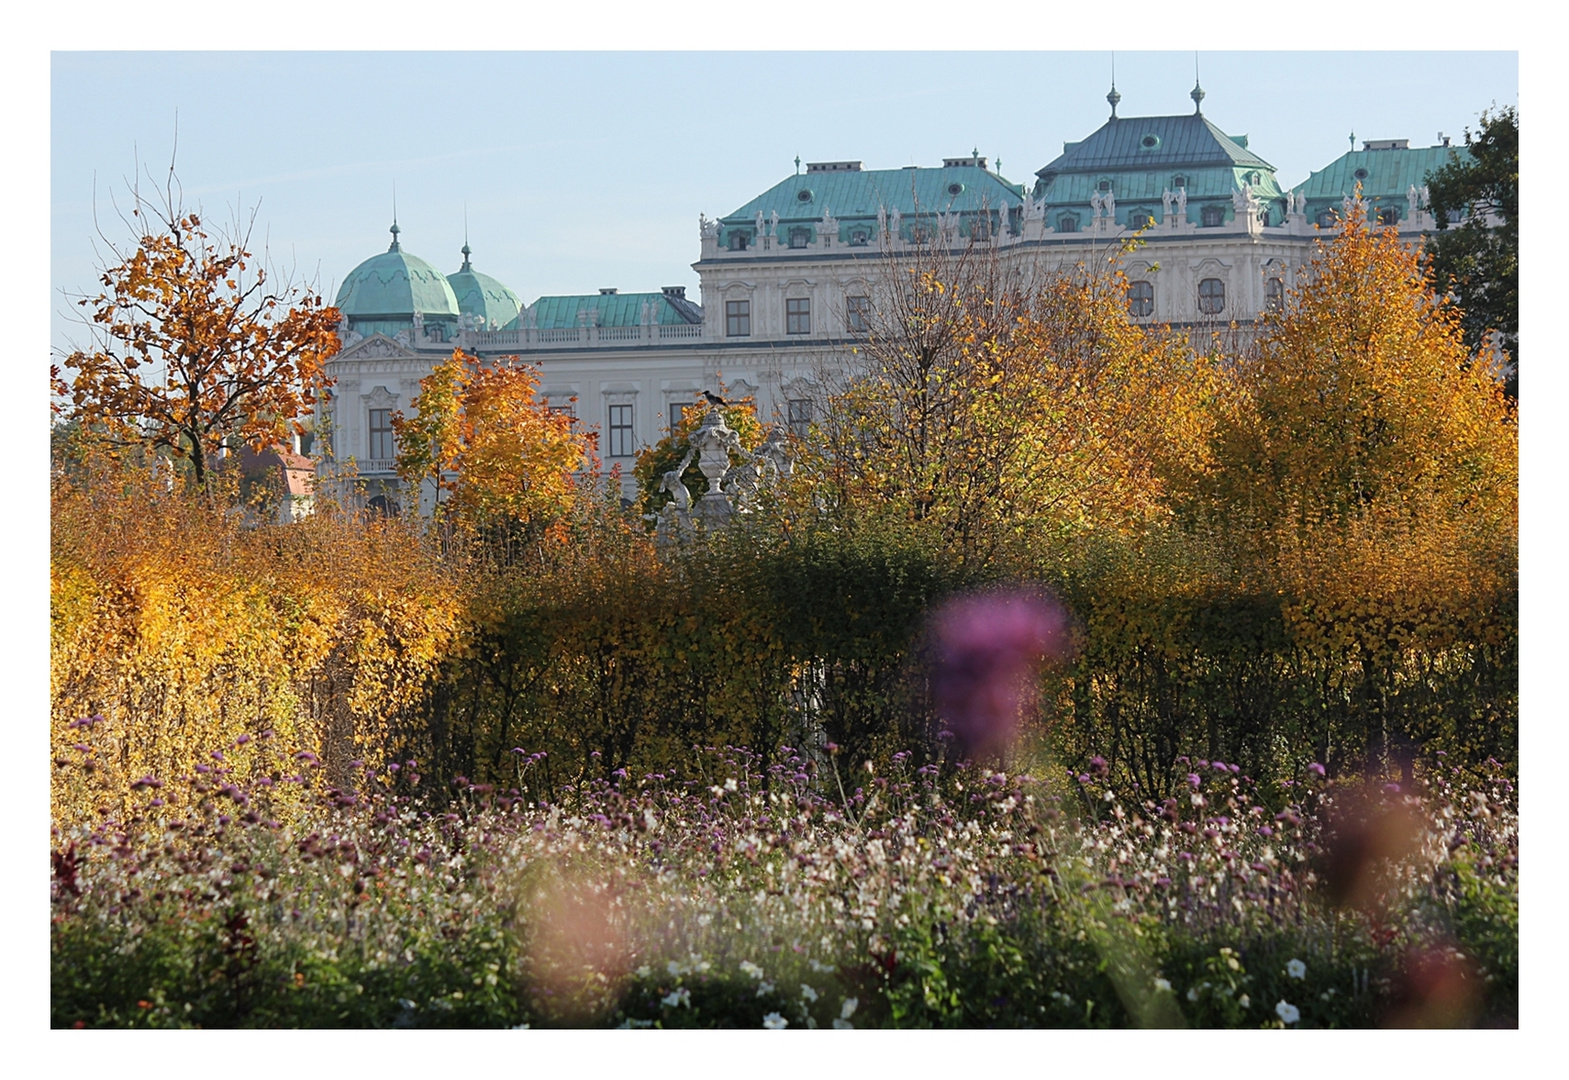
(495, 456)
(986, 411)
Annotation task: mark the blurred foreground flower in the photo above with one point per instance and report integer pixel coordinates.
(988, 652)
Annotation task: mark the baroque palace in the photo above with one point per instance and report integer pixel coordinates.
(787, 278)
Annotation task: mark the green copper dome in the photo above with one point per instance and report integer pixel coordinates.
(482, 295)
(394, 285)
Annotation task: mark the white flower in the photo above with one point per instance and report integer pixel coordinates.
(1193, 993)
(1244, 1001)
(1287, 1012)
(749, 968)
(643, 971)
(847, 1010)
(808, 993)
(675, 969)
(1163, 984)
(765, 988)
(679, 996)
(843, 1025)
(774, 1022)
(1296, 969)
(820, 968)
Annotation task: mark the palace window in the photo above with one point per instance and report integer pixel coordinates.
(738, 318)
(857, 313)
(1068, 223)
(676, 409)
(799, 238)
(1388, 215)
(799, 415)
(859, 237)
(798, 316)
(1141, 299)
(564, 410)
(1140, 219)
(621, 431)
(1213, 216)
(918, 234)
(1274, 294)
(1179, 181)
(381, 441)
(1212, 296)
(738, 241)
(1326, 219)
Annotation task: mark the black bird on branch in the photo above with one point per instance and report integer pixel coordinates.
(714, 399)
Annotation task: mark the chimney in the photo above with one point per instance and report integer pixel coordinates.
(607, 292)
(675, 292)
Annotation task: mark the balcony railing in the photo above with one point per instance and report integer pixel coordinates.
(578, 337)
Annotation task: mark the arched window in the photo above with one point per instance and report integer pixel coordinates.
(1179, 181)
(1068, 223)
(382, 506)
(1213, 216)
(1274, 294)
(1212, 296)
(1141, 299)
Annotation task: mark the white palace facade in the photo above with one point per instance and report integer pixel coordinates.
(786, 279)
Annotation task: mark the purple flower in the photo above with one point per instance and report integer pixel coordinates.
(1316, 769)
(988, 651)
(1193, 779)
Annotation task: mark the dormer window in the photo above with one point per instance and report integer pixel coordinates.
(980, 228)
(859, 237)
(1068, 223)
(738, 241)
(1388, 215)
(1140, 219)
(1104, 185)
(799, 237)
(1179, 181)
(1213, 216)
(1325, 219)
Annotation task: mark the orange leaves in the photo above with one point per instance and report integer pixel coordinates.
(493, 452)
(192, 350)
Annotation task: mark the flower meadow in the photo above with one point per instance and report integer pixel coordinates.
(810, 893)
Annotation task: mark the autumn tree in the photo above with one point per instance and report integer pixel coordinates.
(196, 346)
(1371, 473)
(495, 457)
(1479, 260)
(984, 408)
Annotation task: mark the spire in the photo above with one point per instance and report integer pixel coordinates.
(1198, 91)
(465, 248)
(394, 230)
(1114, 97)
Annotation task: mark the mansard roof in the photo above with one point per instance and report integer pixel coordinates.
(1388, 171)
(1155, 143)
(614, 309)
(852, 192)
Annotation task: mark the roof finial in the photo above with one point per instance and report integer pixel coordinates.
(1198, 91)
(394, 230)
(1353, 139)
(1114, 97)
(798, 164)
(465, 248)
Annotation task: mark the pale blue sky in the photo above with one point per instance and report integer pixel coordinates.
(583, 170)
